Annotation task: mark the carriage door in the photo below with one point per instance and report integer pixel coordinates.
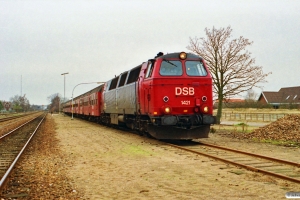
(146, 87)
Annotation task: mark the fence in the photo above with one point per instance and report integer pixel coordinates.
(266, 117)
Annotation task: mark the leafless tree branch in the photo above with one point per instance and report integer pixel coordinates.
(231, 65)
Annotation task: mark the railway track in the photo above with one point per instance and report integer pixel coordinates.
(13, 144)
(282, 169)
(15, 117)
(279, 168)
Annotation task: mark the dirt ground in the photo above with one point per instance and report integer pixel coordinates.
(89, 161)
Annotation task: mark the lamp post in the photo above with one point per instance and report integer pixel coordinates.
(74, 89)
(64, 74)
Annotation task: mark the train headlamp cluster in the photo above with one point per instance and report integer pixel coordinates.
(202, 109)
(167, 110)
(205, 109)
(182, 55)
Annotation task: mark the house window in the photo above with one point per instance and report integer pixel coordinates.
(287, 97)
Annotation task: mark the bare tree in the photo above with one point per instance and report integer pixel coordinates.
(54, 105)
(1, 106)
(231, 66)
(251, 96)
(20, 103)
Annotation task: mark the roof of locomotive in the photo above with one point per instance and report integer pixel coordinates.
(176, 55)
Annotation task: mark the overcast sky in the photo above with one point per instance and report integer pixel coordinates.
(96, 40)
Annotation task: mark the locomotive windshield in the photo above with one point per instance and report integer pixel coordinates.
(174, 68)
(170, 68)
(195, 68)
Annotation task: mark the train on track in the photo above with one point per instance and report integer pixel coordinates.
(167, 97)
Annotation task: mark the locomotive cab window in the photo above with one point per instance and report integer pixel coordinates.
(170, 68)
(149, 70)
(123, 79)
(134, 75)
(195, 68)
(113, 83)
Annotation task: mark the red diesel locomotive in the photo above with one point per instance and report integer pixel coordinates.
(168, 97)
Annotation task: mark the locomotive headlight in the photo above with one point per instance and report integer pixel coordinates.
(167, 110)
(205, 109)
(182, 55)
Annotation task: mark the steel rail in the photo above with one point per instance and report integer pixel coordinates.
(252, 154)
(238, 164)
(3, 136)
(6, 175)
(9, 118)
(15, 117)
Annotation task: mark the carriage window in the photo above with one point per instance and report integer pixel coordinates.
(149, 70)
(195, 68)
(123, 79)
(113, 83)
(170, 68)
(134, 75)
